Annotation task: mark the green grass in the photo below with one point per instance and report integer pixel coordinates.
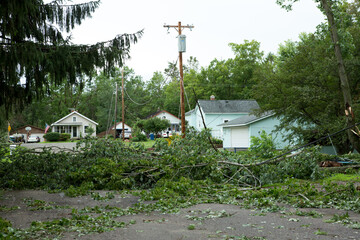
(147, 144)
(344, 177)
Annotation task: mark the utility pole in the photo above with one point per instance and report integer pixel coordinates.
(116, 91)
(123, 105)
(178, 28)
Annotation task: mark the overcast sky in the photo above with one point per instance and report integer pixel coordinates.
(216, 24)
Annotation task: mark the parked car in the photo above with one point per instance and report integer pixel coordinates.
(33, 139)
(17, 138)
(127, 134)
(166, 134)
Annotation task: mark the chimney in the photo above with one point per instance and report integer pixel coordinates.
(212, 97)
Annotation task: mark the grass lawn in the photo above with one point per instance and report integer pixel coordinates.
(147, 144)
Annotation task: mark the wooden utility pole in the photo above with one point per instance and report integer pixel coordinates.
(116, 90)
(123, 105)
(178, 28)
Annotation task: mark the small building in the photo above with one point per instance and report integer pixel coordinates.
(75, 124)
(175, 122)
(34, 131)
(238, 132)
(216, 112)
(110, 131)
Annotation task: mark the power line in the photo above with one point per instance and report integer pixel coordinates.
(134, 100)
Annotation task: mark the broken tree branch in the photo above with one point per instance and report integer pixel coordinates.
(259, 163)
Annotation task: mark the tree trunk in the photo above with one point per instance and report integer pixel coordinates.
(345, 88)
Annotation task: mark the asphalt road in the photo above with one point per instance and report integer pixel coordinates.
(207, 221)
(56, 146)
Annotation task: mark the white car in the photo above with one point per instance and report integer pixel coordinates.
(33, 139)
(166, 134)
(127, 134)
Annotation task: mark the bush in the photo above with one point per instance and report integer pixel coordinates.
(216, 141)
(89, 131)
(64, 136)
(263, 146)
(139, 138)
(52, 136)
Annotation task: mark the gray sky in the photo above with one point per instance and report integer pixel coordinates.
(216, 24)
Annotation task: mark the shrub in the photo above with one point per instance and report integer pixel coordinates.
(52, 136)
(89, 131)
(216, 141)
(139, 138)
(64, 136)
(263, 146)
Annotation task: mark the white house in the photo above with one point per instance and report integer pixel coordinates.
(216, 112)
(175, 122)
(238, 132)
(119, 130)
(75, 124)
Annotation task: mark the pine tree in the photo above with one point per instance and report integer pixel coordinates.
(35, 54)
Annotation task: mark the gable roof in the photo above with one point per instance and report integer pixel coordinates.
(22, 129)
(158, 112)
(119, 126)
(189, 112)
(72, 113)
(247, 120)
(228, 106)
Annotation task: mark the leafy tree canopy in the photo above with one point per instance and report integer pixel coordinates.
(153, 125)
(35, 54)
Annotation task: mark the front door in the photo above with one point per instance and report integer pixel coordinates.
(74, 132)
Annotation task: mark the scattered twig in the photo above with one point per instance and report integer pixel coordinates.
(337, 191)
(302, 195)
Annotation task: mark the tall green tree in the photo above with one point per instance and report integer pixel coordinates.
(228, 79)
(35, 54)
(97, 101)
(155, 89)
(301, 86)
(331, 10)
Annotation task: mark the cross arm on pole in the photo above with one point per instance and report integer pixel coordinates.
(178, 27)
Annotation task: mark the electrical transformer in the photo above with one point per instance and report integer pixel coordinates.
(182, 43)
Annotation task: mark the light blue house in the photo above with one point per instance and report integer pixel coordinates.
(217, 112)
(238, 132)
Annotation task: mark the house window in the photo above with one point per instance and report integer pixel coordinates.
(164, 117)
(85, 127)
(74, 119)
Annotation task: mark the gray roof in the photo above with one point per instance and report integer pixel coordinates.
(228, 106)
(246, 120)
(189, 112)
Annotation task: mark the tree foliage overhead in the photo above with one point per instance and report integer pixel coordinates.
(35, 53)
